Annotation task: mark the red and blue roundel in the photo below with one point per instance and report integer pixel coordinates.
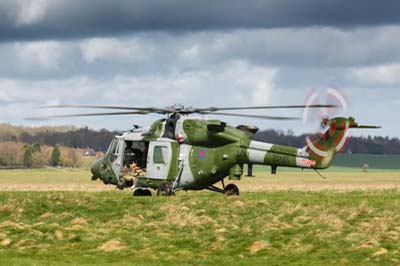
(201, 154)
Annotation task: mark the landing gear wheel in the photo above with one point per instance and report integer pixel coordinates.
(165, 190)
(138, 192)
(141, 192)
(231, 190)
(146, 192)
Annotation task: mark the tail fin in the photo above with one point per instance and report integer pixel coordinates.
(324, 148)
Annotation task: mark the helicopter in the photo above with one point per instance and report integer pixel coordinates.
(180, 152)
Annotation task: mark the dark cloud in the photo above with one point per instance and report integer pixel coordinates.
(304, 54)
(41, 19)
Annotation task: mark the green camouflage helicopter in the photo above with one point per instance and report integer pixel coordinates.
(185, 153)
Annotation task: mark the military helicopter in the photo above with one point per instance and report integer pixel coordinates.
(181, 152)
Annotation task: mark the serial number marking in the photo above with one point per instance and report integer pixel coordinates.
(307, 162)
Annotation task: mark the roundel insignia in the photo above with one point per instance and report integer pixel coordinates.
(201, 154)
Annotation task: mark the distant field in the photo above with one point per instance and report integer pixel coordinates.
(374, 161)
(342, 178)
(49, 179)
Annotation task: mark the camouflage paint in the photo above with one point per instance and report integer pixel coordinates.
(210, 150)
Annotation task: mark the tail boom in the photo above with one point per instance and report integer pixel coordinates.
(278, 155)
(317, 154)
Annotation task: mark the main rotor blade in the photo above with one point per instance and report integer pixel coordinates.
(88, 114)
(189, 110)
(254, 116)
(214, 109)
(149, 109)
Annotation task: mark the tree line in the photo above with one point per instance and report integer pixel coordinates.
(67, 136)
(17, 154)
(99, 140)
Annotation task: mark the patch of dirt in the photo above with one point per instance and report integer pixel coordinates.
(184, 253)
(246, 229)
(46, 215)
(392, 236)
(58, 234)
(37, 224)
(380, 252)
(301, 220)
(221, 231)
(216, 246)
(7, 207)
(11, 225)
(181, 216)
(6, 242)
(132, 220)
(112, 245)
(207, 220)
(161, 233)
(371, 243)
(331, 220)
(64, 215)
(238, 203)
(25, 243)
(76, 227)
(71, 236)
(53, 226)
(79, 221)
(257, 246)
(36, 232)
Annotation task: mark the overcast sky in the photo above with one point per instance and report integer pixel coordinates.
(203, 53)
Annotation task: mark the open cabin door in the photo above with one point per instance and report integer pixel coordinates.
(117, 156)
(162, 159)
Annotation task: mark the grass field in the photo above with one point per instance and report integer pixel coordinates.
(59, 217)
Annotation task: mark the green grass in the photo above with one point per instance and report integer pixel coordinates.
(293, 218)
(200, 228)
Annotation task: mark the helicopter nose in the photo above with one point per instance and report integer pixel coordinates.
(95, 169)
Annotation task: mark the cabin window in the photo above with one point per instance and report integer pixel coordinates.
(159, 154)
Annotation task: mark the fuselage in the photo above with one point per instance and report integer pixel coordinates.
(195, 153)
(198, 153)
